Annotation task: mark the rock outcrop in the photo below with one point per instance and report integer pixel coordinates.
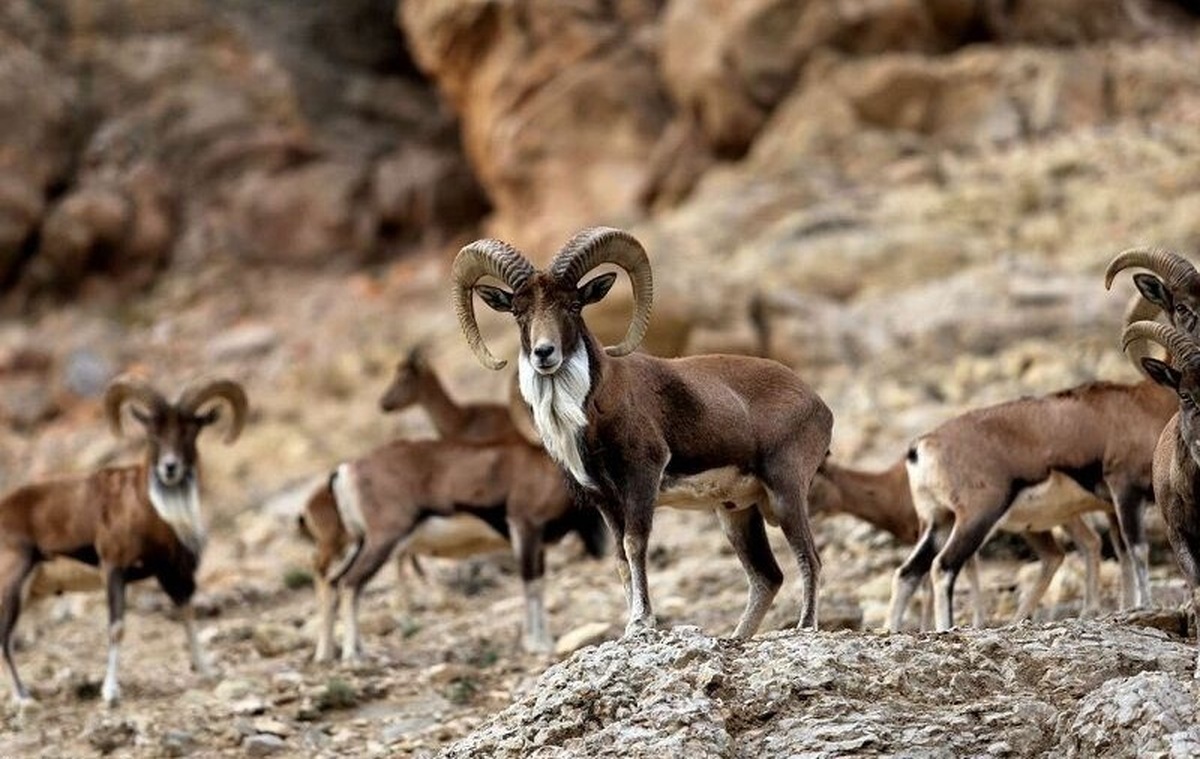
(1070, 689)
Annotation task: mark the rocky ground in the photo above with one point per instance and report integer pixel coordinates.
(443, 659)
(909, 202)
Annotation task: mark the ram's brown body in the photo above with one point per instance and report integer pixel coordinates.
(101, 518)
(696, 414)
(971, 468)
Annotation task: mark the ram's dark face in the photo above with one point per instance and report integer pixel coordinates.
(549, 315)
(1186, 384)
(171, 434)
(1181, 304)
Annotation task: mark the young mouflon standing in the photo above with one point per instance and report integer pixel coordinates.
(630, 429)
(133, 522)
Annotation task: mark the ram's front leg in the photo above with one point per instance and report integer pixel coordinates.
(114, 579)
(614, 518)
(639, 518)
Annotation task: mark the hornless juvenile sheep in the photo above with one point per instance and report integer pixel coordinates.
(1177, 455)
(972, 466)
(441, 498)
(416, 384)
(885, 500)
(133, 522)
(626, 425)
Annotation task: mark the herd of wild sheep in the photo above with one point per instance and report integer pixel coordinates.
(594, 438)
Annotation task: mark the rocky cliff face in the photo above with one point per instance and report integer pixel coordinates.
(171, 133)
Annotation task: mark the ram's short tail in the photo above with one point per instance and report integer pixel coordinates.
(324, 490)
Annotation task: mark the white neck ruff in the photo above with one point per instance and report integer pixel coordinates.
(557, 404)
(179, 507)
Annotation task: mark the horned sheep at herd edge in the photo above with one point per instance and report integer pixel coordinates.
(603, 433)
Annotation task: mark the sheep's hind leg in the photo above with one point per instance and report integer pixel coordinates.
(1050, 556)
(362, 568)
(747, 534)
(327, 598)
(1087, 542)
(979, 610)
(965, 539)
(910, 574)
(15, 567)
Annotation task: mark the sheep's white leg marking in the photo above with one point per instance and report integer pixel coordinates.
(978, 613)
(640, 616)
(326, 608)
(1141, 564)
(557, 404)
(350, 639)
(110, 691)
(537, 633)
(200, 663)
(942, 593)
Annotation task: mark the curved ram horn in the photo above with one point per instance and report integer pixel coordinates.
(475, 261)
(198, 394)
(605, 245)
(129, 390)
(1175, 270)
(1139, 309)
(1182, 348)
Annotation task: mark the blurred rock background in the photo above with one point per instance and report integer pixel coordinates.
(909, 201)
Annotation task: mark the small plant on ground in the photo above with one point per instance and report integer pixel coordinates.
(296, 578)
(338, 694)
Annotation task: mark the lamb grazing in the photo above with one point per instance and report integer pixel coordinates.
(1177, 455)
(718, 431)
(416, 384)
(884, 499)
(441, 498)
(968, 471)
(133, 522)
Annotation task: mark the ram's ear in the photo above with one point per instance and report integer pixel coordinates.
(1162, 373)
(1154, 290)
(209, 417)
(495, 298)
(594, 290)
(145, 418)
